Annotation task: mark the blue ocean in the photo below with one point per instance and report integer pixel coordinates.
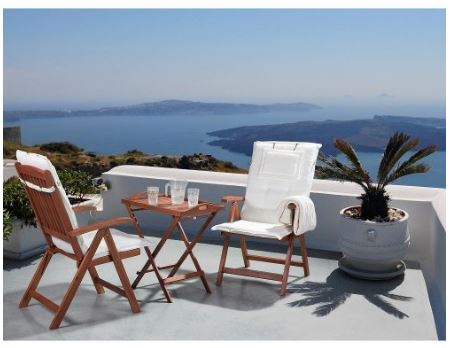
(187, 134)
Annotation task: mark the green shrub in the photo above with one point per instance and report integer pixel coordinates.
(76, 183)
(17, 206)
(15, 202)
(7, 225)
(134, 152)
(63, 147)
(184, 162)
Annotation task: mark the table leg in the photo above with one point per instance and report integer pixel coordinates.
(165, 236)
(136, 223)
(185, 239)
(193, 243)
(158, 275)
(161, 243)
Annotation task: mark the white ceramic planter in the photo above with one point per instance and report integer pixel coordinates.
(372, 249)
(28, 241)
(24, 242)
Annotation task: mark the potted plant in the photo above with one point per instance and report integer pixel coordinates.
(21, 237)
(374, 237)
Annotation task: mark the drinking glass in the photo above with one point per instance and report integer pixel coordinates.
(193, 196)
(153, 195)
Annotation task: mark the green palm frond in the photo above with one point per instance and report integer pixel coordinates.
(350, 153)
(334, 169)
(398, 146)
(410, 163)
(408, 170)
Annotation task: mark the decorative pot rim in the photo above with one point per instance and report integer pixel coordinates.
(370, 222)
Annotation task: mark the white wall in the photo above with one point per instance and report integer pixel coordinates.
(426, 207)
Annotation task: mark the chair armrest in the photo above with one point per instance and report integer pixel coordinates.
(231, 199)
(100, 225)
(234, 213)
(80, 208)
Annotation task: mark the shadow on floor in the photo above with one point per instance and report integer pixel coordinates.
(11, 264)
(85, 310)
(339, 287)
(242, 294)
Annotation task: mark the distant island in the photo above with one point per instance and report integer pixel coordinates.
(368, 135)
(166, 107)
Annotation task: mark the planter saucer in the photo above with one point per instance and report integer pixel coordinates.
(346, 266)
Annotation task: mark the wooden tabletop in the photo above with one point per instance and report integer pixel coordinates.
(165, 206)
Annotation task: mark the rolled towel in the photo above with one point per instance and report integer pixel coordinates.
(305, 218)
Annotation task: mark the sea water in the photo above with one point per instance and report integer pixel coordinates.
(187, 134)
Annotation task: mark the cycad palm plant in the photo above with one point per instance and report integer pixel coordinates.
(374, 200)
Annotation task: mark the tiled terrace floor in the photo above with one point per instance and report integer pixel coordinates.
(325, 305)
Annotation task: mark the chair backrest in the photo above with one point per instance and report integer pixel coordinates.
(278, 170)
(47, 196)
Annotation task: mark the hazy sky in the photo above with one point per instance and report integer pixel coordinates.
(86, 58)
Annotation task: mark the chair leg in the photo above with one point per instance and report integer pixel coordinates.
(287, 266)
(94, 277)
(244, 251)
(74, 285)
(36, 279)
(158, 275)
(304, 255)
(223, 259)
(135, 308)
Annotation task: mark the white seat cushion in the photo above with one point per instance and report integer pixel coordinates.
(256, 229)
(278, 170)
(122, 240)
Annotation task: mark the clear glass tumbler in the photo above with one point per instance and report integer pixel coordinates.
(153, 195)
(193, 196)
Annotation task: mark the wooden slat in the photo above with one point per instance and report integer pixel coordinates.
(71, 256)
(123, 255)
(111, 287)
(272, 260)
(180, 277)
(45, 301)
(159, 267)
(253, 273)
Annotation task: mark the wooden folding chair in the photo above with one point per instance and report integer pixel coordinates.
(89, 246)
(278, 171)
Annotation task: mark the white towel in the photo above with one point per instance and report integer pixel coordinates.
(305, 218)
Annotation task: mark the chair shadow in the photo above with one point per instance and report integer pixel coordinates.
(87, 308)
(339, 287)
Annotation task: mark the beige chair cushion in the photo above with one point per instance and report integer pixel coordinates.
(255, 229)
(123, 241)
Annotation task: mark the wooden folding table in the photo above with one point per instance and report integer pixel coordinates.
(139, 202)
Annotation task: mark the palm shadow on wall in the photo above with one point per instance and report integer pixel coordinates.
(339, 287)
